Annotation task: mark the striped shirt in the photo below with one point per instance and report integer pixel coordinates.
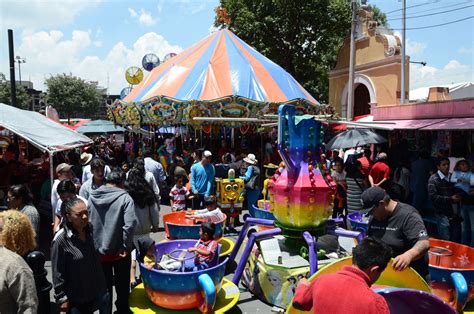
(209, 246)
(215, 216)
(178, 197)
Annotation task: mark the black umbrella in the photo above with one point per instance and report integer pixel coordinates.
(354, 138)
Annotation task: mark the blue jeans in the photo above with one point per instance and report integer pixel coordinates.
(447, 230)
(467, 213)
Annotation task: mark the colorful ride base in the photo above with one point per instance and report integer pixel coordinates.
(452, 273)
(270, 282)
(408, 279)
(183, 290)
(177, 226)
(226, 299)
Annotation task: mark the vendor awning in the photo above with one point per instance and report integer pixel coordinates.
(452, 124)
(403, 124)
(45, 134)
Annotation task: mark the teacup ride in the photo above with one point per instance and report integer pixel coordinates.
(451, 267)
(358, 222)
(178, 226)
(201, 291)
(405, 291)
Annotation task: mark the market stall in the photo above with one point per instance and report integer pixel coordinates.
(45, 134)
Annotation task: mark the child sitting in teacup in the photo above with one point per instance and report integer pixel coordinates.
(205, 248)
(211, 213)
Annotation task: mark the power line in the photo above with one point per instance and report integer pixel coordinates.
(411, 6)
(436, 25)
(437, 8)
(431, 14)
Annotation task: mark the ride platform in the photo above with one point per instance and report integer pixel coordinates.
(227, 298)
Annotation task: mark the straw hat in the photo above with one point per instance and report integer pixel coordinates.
(251, 159)
(85, 158)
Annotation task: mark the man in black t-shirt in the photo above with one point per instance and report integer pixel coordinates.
(399, 226)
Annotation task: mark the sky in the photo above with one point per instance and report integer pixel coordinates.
(98, 39)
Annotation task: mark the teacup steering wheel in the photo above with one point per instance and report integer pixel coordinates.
(439, 252)
(183, 256)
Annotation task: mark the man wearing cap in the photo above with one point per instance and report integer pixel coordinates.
(400, 226)
(202, 179)
(63, 171)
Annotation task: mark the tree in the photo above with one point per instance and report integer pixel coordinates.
(23, 100)
(302, 36)
(379, 16)
(70, 95)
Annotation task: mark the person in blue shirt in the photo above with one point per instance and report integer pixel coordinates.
(202, 179)
(251, 180)
(156, 168)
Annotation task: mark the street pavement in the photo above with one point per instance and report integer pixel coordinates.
(247, 304)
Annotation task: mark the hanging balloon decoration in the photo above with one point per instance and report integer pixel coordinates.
(169, 56)
(150, 61)
(134, 75)
(125, 91)
(244, 129)
(207, 129)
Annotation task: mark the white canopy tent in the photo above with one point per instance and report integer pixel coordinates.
(43, 133)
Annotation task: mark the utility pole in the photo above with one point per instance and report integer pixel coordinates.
(350, 84)
(402, 88)
(12, 68)
(20, 60)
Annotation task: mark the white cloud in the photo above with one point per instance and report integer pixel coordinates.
(452, 72)
(146, 18)
(50, 53)
(34, 14)
(132, 12)
(465, 51)
(413, 48)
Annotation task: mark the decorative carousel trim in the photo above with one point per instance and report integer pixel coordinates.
(167, 111)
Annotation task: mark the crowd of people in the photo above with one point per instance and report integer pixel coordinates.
(106, 203)
(440, 188)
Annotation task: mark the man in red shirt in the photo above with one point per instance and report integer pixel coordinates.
(380, 172)
(348, 290)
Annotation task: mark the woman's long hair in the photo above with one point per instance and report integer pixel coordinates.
(140, 191)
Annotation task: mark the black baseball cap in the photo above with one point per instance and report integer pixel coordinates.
(372, 197)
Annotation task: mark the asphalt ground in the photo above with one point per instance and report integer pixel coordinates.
(247, 303)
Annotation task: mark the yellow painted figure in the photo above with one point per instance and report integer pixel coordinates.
(228, 193)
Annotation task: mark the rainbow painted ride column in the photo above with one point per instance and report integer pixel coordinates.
(274, 260)
(300, 197)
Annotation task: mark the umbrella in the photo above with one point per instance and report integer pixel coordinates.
(355, 138)
(99, 127)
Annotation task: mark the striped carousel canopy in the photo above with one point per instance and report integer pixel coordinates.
(220, 65)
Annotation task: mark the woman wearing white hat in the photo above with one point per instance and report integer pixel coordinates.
(252, 180)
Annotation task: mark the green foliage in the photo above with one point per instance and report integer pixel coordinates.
(302, 36)
(23, 100)
(70, 95)
(379, 16)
